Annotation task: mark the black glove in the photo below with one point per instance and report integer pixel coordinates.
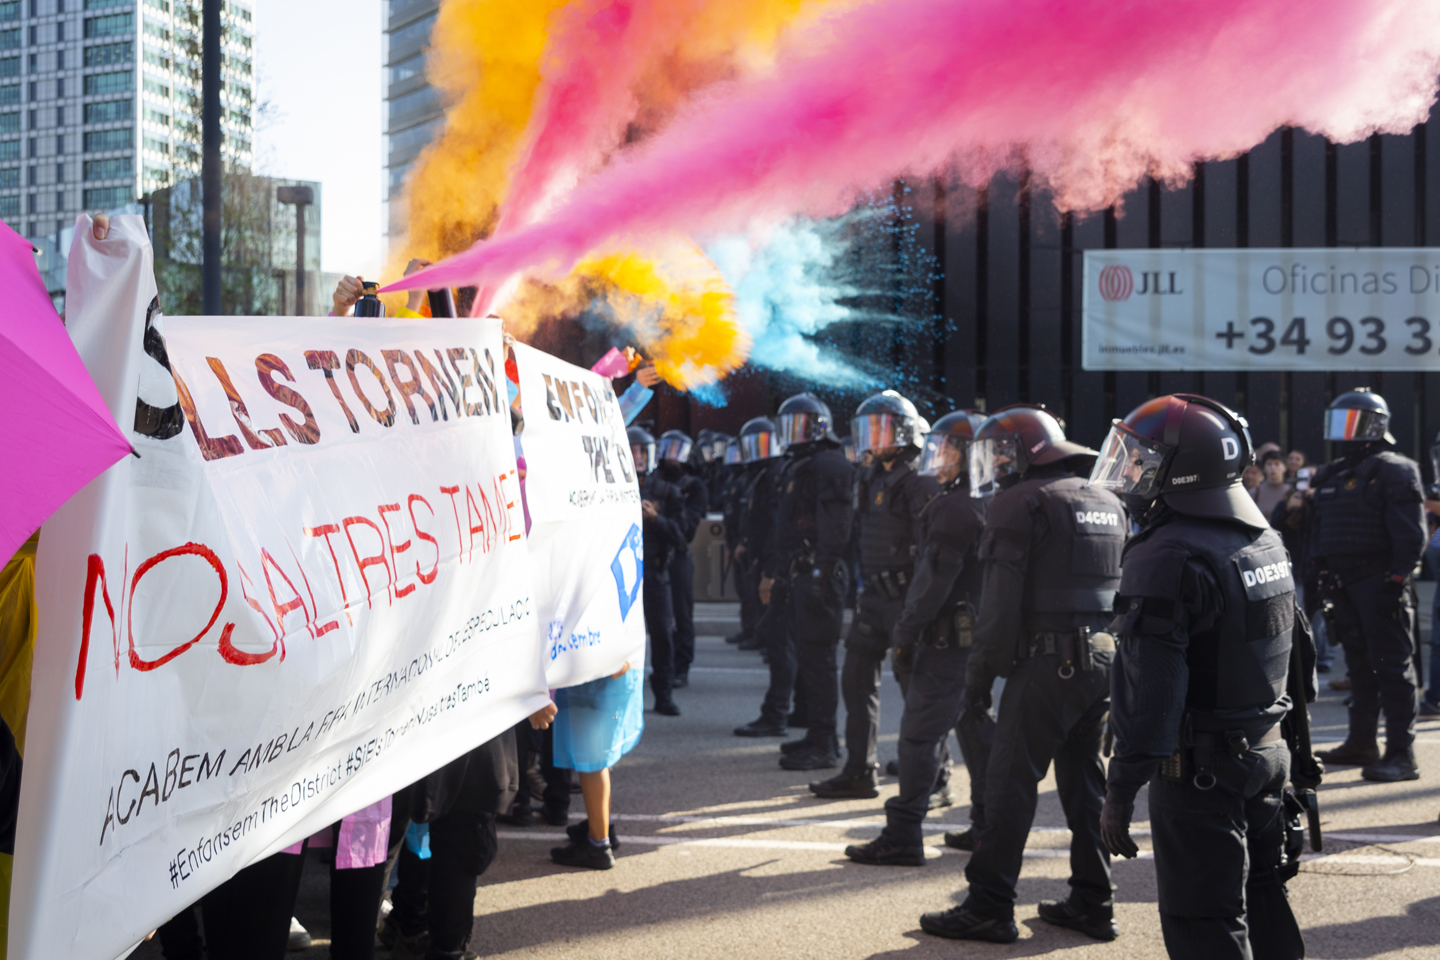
(975, 698)
(1115, 826)
(1392, 599)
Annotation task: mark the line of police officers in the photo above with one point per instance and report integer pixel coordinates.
(1149, 597)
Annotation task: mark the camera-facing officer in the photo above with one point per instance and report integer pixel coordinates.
(1051, 550)
(938, 620)
(737, 476)
(678, 465)
(1203, 622)
(890, 496)
(663, 509)
(1366, 536)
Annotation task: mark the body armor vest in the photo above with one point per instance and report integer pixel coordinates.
(1238, 666)
(884, 512)
(940, 526)
(1350, 510)
(1077, 568)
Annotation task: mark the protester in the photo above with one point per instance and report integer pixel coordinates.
(1273, 490)
(1251, 478)
(1295, 461)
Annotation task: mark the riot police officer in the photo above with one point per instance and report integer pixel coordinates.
(890, 496)
(762, 451)
(938, 621)
(1051, 550)
(677, 465)
(1366, 536)
(738, 475)
(804, 578)
(663, 509)
(1203, 623)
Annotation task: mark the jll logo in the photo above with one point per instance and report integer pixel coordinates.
(1116, 283)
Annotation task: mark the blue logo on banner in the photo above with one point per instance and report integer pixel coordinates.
(629, 569)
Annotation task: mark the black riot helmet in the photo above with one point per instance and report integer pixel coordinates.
(1360, 415)
(947, 444)
(1015, 438)
(675, 447)
(805, 418)
(733, 457)
(759, 440)
(713, 448)
(642, 447)
(886, 422)
(1188, 449)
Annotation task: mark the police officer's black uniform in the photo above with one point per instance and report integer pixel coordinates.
(678, 465)
(737, 479)
(662, 535)
(1051, 549)
(938, 620)
(1204, 619)
(1366, 536)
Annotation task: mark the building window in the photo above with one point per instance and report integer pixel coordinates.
(32, 146)
(158, 89)
(34, 91)
(10, 67)
(34, 206)
(161, 5)
(60, 31)
(59, 173)
(155, 116)
(60, 88)
(33, 122)
(157, 59)
(106, 197)
(33, 61)
(9, 207)
(10, 96)
(100, 83)
(158, 146)
(117, 24)
(405, 69)
(59, 201)
(60, 143)
(108, 111)
(107, 53)
(112, 169)
(102, 4)
(59, 59)
(10, 150)
(34, 174)
(10, 122)
(153, 29)
(10, 178)
(60, 116)
(9, 11)
(98, 140)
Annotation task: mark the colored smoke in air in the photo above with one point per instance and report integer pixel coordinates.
(1091, 95)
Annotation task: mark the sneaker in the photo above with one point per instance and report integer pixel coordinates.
(1062, 913)
(666, 708)
(299, 937)
(1350, 754)
(761, 728)
(583, 854)
(960, 923)
(822, 756)
(1429, 708)
(1340, 683)
(580, 831)
(942, 797)
(964, 840)
(849, 785)
(1395, 768)
(884, 852)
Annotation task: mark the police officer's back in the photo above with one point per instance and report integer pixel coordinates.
(1204, 619)
(679, 465)
(663, 509)
(1367, 533)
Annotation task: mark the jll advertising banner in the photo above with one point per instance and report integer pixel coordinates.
(310, 587)
(585, 510)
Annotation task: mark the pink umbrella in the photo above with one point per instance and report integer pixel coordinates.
(56, 431)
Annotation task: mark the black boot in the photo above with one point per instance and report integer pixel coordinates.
(761, 728)
(961, 923)
(580, 831)
(964, 840)
(583, 853)
(1351, 754)
(822, 754)
(1398, 765)
(849, 785)
(1062, 913)
(795, 746)
(885, 852)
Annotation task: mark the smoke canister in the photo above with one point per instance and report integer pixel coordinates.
(369, 304)
(442, 302)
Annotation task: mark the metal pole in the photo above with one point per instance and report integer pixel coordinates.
(210, 170)
(300, 304)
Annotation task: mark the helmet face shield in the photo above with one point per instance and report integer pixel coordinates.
(991, 460)
(800, 427)
(943, 456)
(1351, 424)
(759, 446)
(733, 457)
(880, 431)
(675, 447)
(644, 454)
(1129, 464)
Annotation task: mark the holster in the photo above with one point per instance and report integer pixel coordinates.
(956, 628)
(892, 583)
(1195, 759)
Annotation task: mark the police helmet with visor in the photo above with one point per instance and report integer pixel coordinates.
(1012, 440)
(946, 449)
(642, 448)
(733, 457)
(885, 424)
(805, 418)
(714, 448)
(1359, 415)
(1188, 449)
(759, 440)
(675, 447)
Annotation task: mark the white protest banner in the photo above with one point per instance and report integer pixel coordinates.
(1291, 309)
(310, 589)
(585, 520)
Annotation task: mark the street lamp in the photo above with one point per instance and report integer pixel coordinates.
(299, 196)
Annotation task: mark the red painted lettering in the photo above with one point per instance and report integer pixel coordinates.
(370, 561)
(325, 530)
(394, 549)
(184, 550)
(434, 570)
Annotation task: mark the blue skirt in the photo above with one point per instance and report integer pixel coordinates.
(599, 722)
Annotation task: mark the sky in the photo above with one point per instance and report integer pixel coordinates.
(318, 66)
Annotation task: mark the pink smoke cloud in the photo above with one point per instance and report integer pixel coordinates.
(1095, 95)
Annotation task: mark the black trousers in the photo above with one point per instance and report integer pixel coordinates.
(1045, 717)
(865, 649)
(439, 894)
(818, 617)
(682, 602)
(777, 630)
(248, 916)
(658, 615)
(932, 710)
(539, 745)
(1217, 852)
(1379, 653)
(747, 588)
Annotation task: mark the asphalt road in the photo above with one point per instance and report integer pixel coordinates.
(726, 856)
